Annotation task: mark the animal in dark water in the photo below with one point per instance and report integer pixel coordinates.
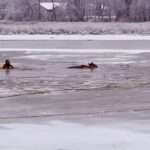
(7, 65)
(89, 66)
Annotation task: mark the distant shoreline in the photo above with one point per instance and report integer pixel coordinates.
(71, 28)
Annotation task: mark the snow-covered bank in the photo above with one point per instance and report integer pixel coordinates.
(70, 28)
(75, 37)
(68, 136)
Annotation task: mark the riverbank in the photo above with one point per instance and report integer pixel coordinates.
(84, 28)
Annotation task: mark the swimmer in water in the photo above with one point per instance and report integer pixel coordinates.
(7, 65)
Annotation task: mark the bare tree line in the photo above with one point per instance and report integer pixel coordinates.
(76, 10)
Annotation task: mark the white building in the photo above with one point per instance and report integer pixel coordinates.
(49, 5)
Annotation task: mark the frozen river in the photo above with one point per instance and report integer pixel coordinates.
(41, 85)
(76, 44)
(45, 106)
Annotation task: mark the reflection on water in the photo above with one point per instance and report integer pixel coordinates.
(46, 72)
